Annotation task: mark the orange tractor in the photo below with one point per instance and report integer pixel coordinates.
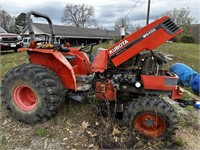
(127, 75)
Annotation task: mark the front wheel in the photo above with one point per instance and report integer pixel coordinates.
(32, 93)
(152, 117)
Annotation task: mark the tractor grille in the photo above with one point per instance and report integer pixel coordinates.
(170, 26)
(9, 39)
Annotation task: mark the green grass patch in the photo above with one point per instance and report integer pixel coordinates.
(183, 53)
(9, 60)
(189, 108)
(102, 45)
(41, 132)
(186, 96)
(180, 142)
(3, 140)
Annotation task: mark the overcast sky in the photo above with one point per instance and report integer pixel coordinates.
(106, 11)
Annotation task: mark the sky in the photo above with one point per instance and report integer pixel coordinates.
(106, 11)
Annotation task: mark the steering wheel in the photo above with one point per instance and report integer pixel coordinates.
(88, 48)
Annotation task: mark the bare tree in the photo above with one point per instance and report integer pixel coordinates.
(79, 15)
(180, 16)
(135, 27)
(6, 20)
(122, 23)
(100, 27)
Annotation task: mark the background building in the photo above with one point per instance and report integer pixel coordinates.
(76, 35)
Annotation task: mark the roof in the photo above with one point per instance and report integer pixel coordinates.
(76, 32)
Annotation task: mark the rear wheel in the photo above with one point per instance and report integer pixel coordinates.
(25, 98)
(152, 117)
(32, 93)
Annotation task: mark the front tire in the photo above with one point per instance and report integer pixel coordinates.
(32, 93)
(152, 117)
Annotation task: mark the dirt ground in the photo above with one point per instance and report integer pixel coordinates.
(78, 126)
(188, 135)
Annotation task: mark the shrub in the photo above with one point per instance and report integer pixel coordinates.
(188, 39)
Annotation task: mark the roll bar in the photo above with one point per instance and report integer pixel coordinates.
(30, 23)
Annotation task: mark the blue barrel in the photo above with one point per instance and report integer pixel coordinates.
(184, 72)
(196, 84)
(197, 105)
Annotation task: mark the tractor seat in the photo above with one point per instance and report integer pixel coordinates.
(70, 57)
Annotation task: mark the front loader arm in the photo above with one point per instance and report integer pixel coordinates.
(147, 38)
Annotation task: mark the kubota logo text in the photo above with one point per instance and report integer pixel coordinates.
(120, 45)
(149, 33)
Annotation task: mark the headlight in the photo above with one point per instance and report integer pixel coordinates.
(19, 37)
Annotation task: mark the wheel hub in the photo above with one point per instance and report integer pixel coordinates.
(150, 124)
(25, 98)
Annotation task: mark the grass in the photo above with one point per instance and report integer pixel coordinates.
(41, 132)
(3, 139)
(184, 53)
(190, 108)
(9, 60)
(186, 96)
(180, 142)
(103, 45)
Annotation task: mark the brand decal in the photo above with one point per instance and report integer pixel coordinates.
(119, 46)
(149, 33)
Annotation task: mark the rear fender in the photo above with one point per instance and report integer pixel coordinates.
(57, 63)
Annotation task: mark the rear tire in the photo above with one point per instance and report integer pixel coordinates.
(32, 93)
(152, 117)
